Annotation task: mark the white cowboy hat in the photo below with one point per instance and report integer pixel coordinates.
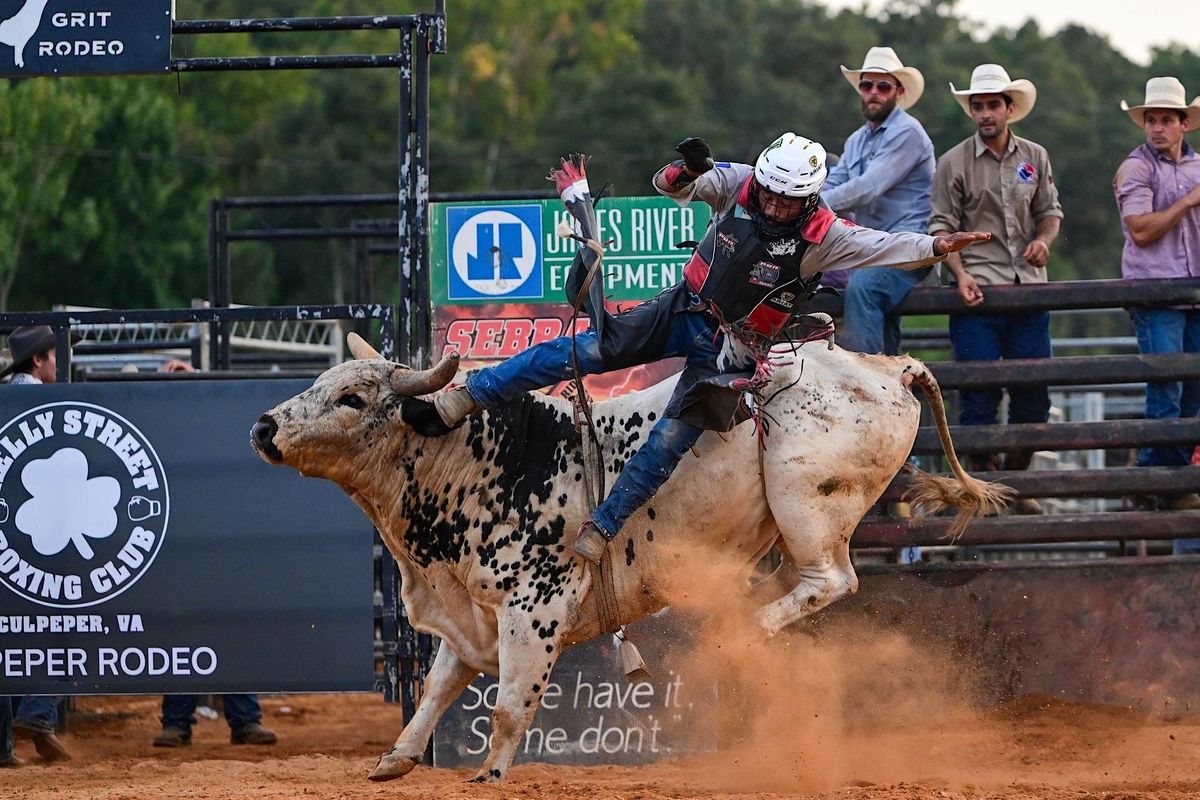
(993, 79)
(884, 59)
(1165, 92)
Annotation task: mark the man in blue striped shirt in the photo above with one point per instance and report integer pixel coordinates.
(884, 180)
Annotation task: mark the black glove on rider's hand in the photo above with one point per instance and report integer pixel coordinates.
(697, 156)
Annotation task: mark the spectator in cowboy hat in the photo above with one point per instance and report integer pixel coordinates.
(34, 356)
(1158, 197)
(884, 180)
(33, 718)
(999, 182)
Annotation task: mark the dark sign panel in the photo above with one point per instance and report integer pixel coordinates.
(592, 714)
(145, 548)
(84, 37)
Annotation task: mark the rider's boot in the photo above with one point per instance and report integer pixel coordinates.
(591, 542)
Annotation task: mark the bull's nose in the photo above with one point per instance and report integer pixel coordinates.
(262, 434)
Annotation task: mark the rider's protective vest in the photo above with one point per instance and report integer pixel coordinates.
(752, 281)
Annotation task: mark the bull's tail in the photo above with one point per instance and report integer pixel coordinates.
(930, 494)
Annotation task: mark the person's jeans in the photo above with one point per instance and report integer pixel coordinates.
(550, 362)
(1168, 330)
(868, 324)
(6, 730)
(38, 714)
(991, 337)
(178, 710)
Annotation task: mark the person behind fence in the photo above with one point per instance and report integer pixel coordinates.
(7, 757)
(242, 713)
(1000, 182)
(34, 361)
(761, 256)
(885, 178)
(1158, 197)
(34, 355)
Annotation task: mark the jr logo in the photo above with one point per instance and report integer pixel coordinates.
(494, 252)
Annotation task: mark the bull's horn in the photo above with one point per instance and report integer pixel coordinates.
(359, 348)
(411, 382)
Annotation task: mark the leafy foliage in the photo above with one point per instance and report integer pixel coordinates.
(124, 167)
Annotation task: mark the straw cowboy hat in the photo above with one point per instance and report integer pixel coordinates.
(993, 79)
(884, 59)
(1165, 92)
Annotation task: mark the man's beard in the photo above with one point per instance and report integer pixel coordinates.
(879, 113)
(997, 131)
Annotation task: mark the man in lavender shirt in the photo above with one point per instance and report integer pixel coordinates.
(1158, 195)
(883, 180)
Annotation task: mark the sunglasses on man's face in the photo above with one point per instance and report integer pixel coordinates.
(884, 87)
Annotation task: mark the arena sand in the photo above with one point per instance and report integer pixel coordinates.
(841, 710)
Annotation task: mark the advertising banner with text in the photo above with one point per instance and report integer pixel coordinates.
(592, 714)
(498, 272)
(144, 548)
(84, 37)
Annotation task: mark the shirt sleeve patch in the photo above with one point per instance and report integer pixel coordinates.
(819, 224)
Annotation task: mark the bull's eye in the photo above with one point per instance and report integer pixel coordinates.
(351, 400)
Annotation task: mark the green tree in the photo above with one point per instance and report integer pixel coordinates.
(44, 128)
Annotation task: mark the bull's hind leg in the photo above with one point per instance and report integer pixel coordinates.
(817, 538)
(447, 679)
(530, 644)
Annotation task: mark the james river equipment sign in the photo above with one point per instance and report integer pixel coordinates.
(145, 548)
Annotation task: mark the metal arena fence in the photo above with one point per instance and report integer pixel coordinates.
(1134, 532)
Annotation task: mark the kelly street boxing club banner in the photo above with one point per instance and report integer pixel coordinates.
(145, 548)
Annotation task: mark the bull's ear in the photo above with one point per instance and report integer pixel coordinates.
(359, 348)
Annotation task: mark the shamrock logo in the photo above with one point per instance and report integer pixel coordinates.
(65, 506)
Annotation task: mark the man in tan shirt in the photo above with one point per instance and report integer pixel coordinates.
(999, 182)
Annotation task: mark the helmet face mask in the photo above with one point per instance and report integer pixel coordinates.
(778, 208)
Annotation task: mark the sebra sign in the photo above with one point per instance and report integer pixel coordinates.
(84, 37)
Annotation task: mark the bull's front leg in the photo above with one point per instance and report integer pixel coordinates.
(530, 644)
(447, 679)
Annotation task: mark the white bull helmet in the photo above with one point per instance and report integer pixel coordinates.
(792, 166)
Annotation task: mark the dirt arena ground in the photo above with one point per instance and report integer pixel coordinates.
(1033, 748)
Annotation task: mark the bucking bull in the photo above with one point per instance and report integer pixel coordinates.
(478, 520)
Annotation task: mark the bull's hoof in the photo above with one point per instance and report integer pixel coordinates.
(392, 765)
(490, 776)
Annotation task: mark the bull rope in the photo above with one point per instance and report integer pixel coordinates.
(593, 459)
(607, 608)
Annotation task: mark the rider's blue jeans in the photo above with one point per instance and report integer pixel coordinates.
(550, 362)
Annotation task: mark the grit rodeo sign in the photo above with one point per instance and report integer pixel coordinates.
(590, 712)
(84, 37)
(145, 549)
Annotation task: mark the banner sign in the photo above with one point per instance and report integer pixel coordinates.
(485, 334)
(592, 714)
(144, 548)
(485, 252)
(499, 271)
(84, 37)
